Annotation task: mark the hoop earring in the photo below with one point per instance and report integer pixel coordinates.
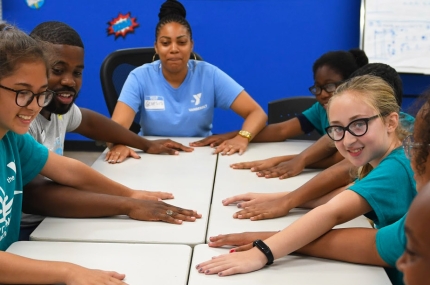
(195, 58)
(153, 57)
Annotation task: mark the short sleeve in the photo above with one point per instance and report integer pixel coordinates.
(389, 189)
(75, 118)
(132, 92)
(317, 115)
(33, 157)
(391, 241)
(226, 89)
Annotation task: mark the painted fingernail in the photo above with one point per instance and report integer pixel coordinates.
(219, 273)
(239, 205)
(232, 250)
(207, 271)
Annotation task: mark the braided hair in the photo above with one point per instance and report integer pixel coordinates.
(172, 11)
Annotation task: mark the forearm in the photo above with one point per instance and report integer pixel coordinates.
(80, 176)
(15, 269)
(328, 161)
(47, 198)
(324, 182)
(279, 131)
(301, 232)
(318, 151)
(355, 245)
(255, 122)
(101, 128)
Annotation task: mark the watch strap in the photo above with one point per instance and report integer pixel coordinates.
(264, 249)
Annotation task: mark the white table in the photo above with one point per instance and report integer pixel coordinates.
(142, 263)
(230, 182)
(292, 269)
(189, 176)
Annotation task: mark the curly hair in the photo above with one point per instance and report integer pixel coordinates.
(422, 135)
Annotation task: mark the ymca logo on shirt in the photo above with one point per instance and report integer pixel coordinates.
(154, 103)
(6, 203)
(196, 101)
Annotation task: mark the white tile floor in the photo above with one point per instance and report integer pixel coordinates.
(87, 157)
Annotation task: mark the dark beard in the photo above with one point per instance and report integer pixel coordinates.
(55, 107)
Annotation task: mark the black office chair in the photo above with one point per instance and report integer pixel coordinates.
(288, 108)
(115, 69)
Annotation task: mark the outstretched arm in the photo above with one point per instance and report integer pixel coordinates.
(355, 245)
(16, 269)
(99, 127)
(264, 206)
(48, 198)
(342, 208)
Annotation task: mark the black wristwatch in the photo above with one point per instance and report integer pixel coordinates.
(264, 249)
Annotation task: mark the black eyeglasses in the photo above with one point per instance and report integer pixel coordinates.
(25, 97)
(329, 88)
(356, 128)
(409, 145)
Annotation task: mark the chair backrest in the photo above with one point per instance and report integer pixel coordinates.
(115, 69)
(288, 108)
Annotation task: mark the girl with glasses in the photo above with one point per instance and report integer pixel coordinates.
(378, 193)
(24, 73)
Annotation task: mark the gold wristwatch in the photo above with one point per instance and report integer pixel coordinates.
(245, 134)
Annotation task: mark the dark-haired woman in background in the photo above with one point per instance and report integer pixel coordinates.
(176, 96)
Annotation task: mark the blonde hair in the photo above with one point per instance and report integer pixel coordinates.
(376, 93)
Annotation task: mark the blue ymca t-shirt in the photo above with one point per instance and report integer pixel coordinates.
(184, 111)
(21, 159)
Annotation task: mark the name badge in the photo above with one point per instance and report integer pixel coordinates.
(154, 103)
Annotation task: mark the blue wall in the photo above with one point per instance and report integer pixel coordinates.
(268, 46)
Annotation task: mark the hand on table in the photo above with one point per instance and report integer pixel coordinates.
(145, 210)
(242, 240)
(270, 209)
(237, 144)
(118, 153)
(151, 195)
(249, 199)
(214, 140)
(77, 275)
(257, 165)
(167, 146)
(233, 263)
(284, 169)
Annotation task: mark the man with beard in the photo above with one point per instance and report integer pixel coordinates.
(66, 57)
(66, 54)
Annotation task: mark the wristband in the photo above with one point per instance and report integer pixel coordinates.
(264, 249)
(245, 134)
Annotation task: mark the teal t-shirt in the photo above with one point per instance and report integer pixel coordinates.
(389, 189)
(317, 115)
(21, 159)
(390, 243)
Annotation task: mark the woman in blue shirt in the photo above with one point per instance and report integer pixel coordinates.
(176, 96)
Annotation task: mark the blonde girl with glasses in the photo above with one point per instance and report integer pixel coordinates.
(383, 191)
